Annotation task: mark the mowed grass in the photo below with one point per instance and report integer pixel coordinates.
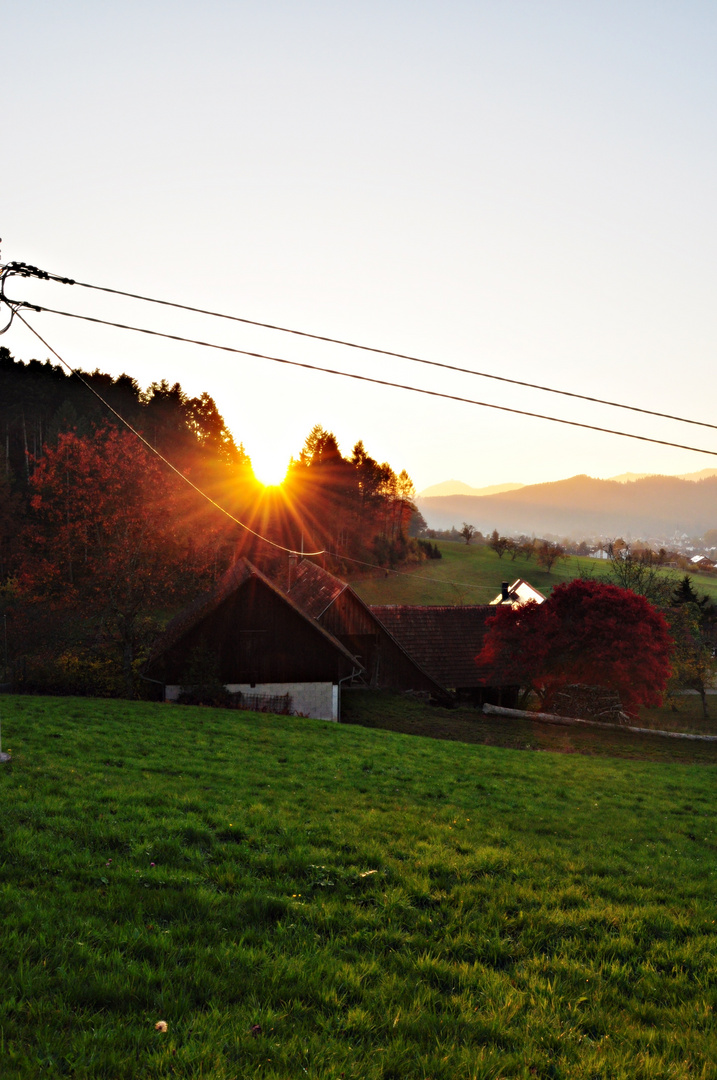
(472, 574)
(296, 898)
(466, 723)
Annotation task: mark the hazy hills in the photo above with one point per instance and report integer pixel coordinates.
(457, 487)
(580, 507)
(625, 477)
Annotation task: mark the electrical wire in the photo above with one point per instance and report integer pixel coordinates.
(331, 371)
(27, 271)
(415, 576)
(375, 381)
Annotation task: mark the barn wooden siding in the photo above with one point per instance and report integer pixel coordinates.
(251, 634)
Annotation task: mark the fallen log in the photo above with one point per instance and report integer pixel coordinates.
(552, 718)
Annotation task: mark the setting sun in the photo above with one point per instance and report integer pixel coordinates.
(270, 465)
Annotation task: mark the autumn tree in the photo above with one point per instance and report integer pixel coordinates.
(693, 662)
(106, 537)
(640, 571)
(497, 543)
(354, 507)
(515, 548)
(404, 506)
(587, 632)
(467, 532)
(527, 548)
(523, 546)
(693, 622)
(548, 553)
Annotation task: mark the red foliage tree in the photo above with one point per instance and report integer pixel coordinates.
(109, 538)
(586, 632)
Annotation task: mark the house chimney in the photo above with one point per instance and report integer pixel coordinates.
(504, 594)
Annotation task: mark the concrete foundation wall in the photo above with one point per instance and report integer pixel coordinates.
(318, 700)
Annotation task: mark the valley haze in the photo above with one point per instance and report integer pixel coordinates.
(651, 506)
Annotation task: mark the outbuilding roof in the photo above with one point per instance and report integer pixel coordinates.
(444, 640)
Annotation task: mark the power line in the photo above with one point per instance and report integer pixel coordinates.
(402, 573)
(375, 381)
(28, 271)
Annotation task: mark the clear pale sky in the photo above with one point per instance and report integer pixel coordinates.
(523, 188)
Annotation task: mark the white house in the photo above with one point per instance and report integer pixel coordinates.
(520, 592)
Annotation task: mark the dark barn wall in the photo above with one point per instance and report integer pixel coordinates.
(348, 617)
(255, 637)
(387, 666)
(396, 671)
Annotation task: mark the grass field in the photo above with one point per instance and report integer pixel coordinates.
(295, 898)
(393, 712)
(471, 574)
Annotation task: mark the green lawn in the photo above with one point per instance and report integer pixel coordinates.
(395, 712)
(296, 898)
(472, 574)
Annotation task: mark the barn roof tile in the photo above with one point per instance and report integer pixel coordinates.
(444, 640)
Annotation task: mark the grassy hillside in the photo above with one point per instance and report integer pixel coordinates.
(298, 899)
(469, 574)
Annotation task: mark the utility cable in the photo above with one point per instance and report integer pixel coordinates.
(162, 458)
(28, 271)
(377, 382)
(403, 573)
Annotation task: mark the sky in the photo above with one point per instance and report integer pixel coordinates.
(521, 189)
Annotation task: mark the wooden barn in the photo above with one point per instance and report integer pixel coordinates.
(334, 604)
(445, 642)
(251, 637)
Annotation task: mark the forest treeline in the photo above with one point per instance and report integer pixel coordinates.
(100, 540)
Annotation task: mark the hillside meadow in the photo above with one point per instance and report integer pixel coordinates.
(295, 898)
(472, 574)
(464, 723)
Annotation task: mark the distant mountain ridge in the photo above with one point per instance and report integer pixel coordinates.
(625, 478)
(581, 507)
(457, 487)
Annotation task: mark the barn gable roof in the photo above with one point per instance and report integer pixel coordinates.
(316, 591)
(444, 640)
(237, 576)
